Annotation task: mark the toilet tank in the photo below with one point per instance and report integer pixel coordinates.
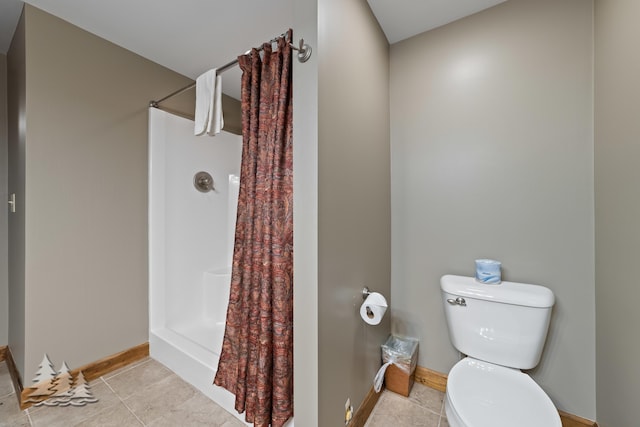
(504, 323)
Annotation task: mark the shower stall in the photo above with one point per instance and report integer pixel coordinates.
(193, 193)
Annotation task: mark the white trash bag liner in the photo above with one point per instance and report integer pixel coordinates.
(399, 352)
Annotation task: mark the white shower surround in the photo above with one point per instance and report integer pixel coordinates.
(190, 248)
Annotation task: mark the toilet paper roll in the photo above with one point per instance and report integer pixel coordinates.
(488, 271)
(373, 308)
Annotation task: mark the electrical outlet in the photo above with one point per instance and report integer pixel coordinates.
(348, 411)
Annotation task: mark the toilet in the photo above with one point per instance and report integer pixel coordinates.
(501, 328)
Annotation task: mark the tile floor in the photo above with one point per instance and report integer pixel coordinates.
(165, 400)
(424, 407)
(122, 402)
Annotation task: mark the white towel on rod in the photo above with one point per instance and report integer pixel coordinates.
(208, 117)
(216, 120)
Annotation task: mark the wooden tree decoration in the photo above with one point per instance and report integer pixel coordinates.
(61, 388)
(63, 381)
(46, 372)
(44, 380)
(82, 392)
(39, 392)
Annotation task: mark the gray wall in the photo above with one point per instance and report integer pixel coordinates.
(305, 219)
(85, 241)
(16, 106)
(492, 156)
(354, 248)
(4, 275)
(617, 150)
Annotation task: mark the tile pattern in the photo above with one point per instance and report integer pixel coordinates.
(424, 407)
(10, 413)
(148, 394)
(143, 394)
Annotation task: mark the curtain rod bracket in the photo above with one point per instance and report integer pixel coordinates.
(304, 51)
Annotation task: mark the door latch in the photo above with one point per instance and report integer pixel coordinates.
(12, 203)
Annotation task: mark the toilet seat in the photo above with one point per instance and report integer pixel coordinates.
(482, 394)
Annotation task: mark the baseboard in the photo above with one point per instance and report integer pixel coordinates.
(570, 420)
(432, 379)
(362, 414)
(99, 368)
(438, 381)
(102, 367)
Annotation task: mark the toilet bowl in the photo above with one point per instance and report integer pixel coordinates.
(482, 394)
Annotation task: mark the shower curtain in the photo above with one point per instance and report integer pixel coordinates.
(256, 363)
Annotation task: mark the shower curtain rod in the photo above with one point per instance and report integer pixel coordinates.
(304, 53)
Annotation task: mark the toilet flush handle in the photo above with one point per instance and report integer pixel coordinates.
(457, 301)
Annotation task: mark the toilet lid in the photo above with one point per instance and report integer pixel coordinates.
(487, 395)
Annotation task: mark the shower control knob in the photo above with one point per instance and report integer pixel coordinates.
(458, 301)
(203, 182)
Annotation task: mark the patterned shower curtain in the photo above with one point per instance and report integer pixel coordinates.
(256, 363)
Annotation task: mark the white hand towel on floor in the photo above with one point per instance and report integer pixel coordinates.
(208, 116)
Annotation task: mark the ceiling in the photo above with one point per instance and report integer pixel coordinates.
(9, 15)
(191, 36)
(401, 19)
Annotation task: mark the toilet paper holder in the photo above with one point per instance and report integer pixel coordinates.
(373, 307)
